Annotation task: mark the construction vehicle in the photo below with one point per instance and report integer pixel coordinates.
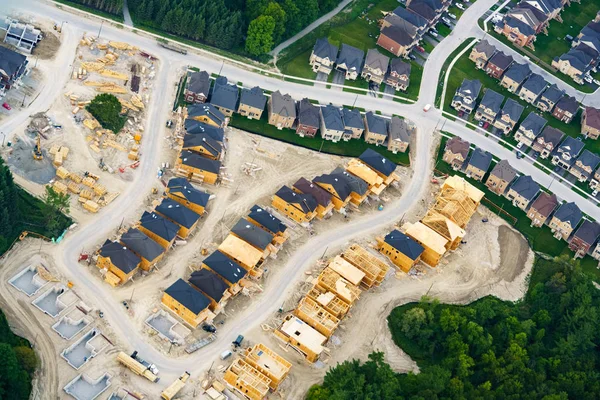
(238, 341)
(137, 367)
(169, 46)
(175, 387)
(37, 150)
(192, 347)
(25, 233)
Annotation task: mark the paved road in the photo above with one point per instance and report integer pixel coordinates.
(126, 15)
(361, 226)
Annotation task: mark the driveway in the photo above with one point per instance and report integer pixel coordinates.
(322, 77)
(338, 78)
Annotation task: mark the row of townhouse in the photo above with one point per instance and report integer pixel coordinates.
(527, 19)
(403, 28)
(284, 112)
(583, 56)
(377, 68)
(541, 207)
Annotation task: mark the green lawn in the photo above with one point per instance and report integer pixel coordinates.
(352, 148)
(460, 48)
(540, 239)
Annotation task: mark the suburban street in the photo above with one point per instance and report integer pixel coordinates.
(170, 67)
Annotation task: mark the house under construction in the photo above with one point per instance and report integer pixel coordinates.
(329, 301)
(301, 337)
(243, 253)
(445, 227)
(458, 200)
(316, 316)
(269, 363)
(373, 268)
(346, 270)
(332, 281)
(433, 243)
(364, 172)
(247, 380)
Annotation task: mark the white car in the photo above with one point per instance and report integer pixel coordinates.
(597, 82)
(445, 20)
(588, 79)
(451, 15)
(460, 6)
(434, 34)
(519, 145)
(595, 193)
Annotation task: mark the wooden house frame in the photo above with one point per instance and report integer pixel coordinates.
(316, 316)
(329, 301)
(374, 268)
(332, 281)
(247, 380)
(268, 363)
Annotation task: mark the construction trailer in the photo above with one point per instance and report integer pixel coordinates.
(433, 243)
(269, 363)
(301, 337)
(171, 391)
(316, 316)
(329, 301)
(332, 281)
(137, 367)
(247, 380)
(346, 270)
(445, 227)
(374, 268)
(244, 254)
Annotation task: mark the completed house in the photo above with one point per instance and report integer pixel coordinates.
(564, 220)
(530, 128)
(282, 110)
(541, 209)
(299, 207)
(332, 124)
(547, 141)
(523, 191)
(188, 303)
(517, 31)
(398, 135)
(584, 238)
(350, 61)
(481, 53)
(323, 56)
(549, 98)
(308, 118)
(478, 164)
(566, 109)
(456, 152)
(376, 131)
(397, 39)
(401, 250)
(595, 182)
(498, 64)
(465, 97)
(584, 167)
(118, 262)
(12, 67)
(224, 96)
(354, 125)
(207, 114)
(590, 122)
(501, 177)
(376, 66)
(252, 103)
(578, 61)
(489, 107)
(516, 75)
(197, 87)
(509, 116)
(533, 88)
(398, 75)
(567, 152)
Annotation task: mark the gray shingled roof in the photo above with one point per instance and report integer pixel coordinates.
(569, 212)
(376, 60)
(206, 109)
(189, 297)
(485, 47)
(589, 159)
(283, 104)
(159, 225)
(305, 201)
(252, 234)
(553, 93)
(120, 256)
(533, 122)
(197, 161)
(552, 135)
(492, 100)
(518, 72)
(225, 267)
(412, 18)
(404, 244)
(504, 171)
(224, 95)
(181, 187)
(526, 187)
(588, 232)
(351, 57)
(11, 61)
(193, 127)
(480, 159)
(209, 283)
(332, 118)
(266, 219)
(571, 146)
(470, 88)
(568, 103)
(198, 82)
(352, 118)
(378, 162)
(376, 124)
(324, 49)
(398, 129)
(512, 109)
(501, 60)
(356, 184)
(308, 113)
(535, 83)
(399, 34)
(143, 245)
(400, 67)
(254, 98)
(177, 213)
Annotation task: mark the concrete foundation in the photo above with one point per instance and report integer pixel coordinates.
(28, 281)
(167, 327)
(71, 324)
(86, 348)
(83, 387)
(55, 300)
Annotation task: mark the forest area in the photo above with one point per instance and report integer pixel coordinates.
(247, 27)
(17, 364)
(543, 347)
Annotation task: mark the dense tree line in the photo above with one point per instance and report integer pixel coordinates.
(17, 364)
(9, 212)
(110, 6)
(544, 347)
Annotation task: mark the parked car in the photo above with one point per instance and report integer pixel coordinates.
(445, 20)
(420, 49)
(486, 125)
(480, 124)
(460, 6)
(569, 38)
(5, 105)
(595, 193)
(519, 145)
(208, 328)
(519, 154)
(452, 16)
(588, 79)
(448, 24)
(412, 56)
(433, 33)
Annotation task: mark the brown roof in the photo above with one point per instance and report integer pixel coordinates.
(458, 146)
(545, 204)
(592, 117)
(305, 186)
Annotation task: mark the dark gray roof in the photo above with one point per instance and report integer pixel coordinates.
(533, 122)
(224, 95)
(410, 17)
(552, 93)
(404, 244)
(492, 100)
(266, 219)
(422, 8)
(501, 60)
(283, 104)
(518, 72)
(252, 234)
(512, 109)
(120, 256)
(524, 28)
(526, 187)
(197, 161)
(11, 62)
(141, 244)
(568, 103)
(340, 185)
(587, 158)
(535, 83)
(225, 266)
(552, 135)
(305, 201)
(159, 225)
(189, 297)
(378, 162)
(591, 29)
(504, 171)
(399, 34)
(203, 140)
(181, 187)
(308, 113)
(351, 57)
(470, 88)
(193, 127)
(254, 98)
(569, 212)
(580, 57)
(571, 146)
(376, 124)
(332, 118)
(485, 47)
(198, 82)
(324, 49)
(398, 129)
(376, 60)
(322, 196)
(588, 232)
(400, 67)
(356, 184)
(177, 213)
(209, 283)
(352, 118)
(480, 159)
(206, 109)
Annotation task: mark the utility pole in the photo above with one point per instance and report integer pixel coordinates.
(3, 137)
(222, 65)
(121, 224)
(355, 99)
(100, 30)
(23, 102)
(132, 292)
(322, 143)
(323, 256)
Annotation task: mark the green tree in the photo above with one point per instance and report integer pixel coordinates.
(260, 35)
(26, 358)
(274, 10)
(55, 205)
(106, 108)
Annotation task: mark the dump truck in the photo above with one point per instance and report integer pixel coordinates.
(137, 367)
(170, 392)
